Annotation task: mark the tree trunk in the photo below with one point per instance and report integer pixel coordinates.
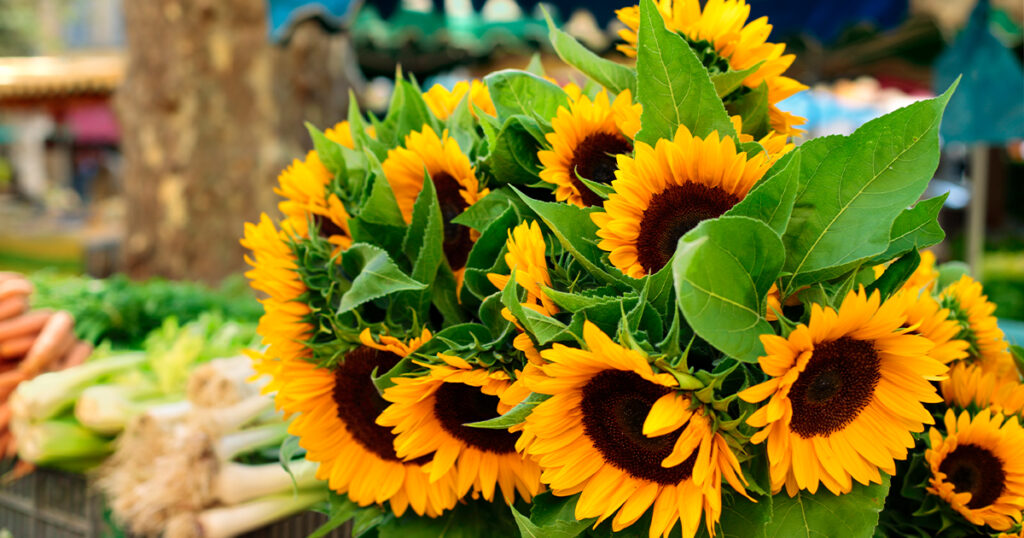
(210, 113)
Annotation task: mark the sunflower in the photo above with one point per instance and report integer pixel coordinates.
(926, 317)
(665, 191)
(623, 437)
(969, 385)
(525, 258)
(585, 139)
(453, 177)
(442, 101)
(973, 312)
(284, 324)
(304, 186)
(978, 468)
(337, 409)
(722, 39)
(429, 414)
(845, 391)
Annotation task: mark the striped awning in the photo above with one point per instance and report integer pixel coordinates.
(44, 77)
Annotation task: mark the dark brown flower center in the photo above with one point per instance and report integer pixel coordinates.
(615, 405)
(673, 212)
(359, 403)
(457, 242)
(836, 386)
(594, 159)
(327, 226)
(971, 468)
(457, 404)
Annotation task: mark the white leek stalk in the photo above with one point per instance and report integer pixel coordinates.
(60, 440)
(237, 482)
(48, 394)
(231, 521)
(106, 409)
(215, 421)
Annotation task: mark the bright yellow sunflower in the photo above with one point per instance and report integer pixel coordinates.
(623, 437)
(336, 412)
(973, 311)
(453, 177)
(843, 396)
(926, 317)
(428, 416)
(722, 26)
(585, 139)
(526, 259)
(969, 385)
(978, 468)
(284, 325)
(304, 187)
(665, 191)
(442, 101)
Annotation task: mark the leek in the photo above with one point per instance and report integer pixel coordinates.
(237, 482)
(54, 441)
(235, 520)
(106, 409)
(48, 394)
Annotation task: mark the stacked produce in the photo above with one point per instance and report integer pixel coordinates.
(67, 419)
(31, 342)
(634, 307)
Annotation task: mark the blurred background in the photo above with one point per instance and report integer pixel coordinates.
(136, 136)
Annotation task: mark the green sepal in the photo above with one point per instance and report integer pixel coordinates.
(516, 415)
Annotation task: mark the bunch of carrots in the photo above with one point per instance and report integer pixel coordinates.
(31, 342)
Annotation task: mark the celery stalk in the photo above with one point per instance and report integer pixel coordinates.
(106, 409)
(61, 440)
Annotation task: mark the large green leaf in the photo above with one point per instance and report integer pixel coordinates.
(726, 83)
(407, 112)
(672, 85)
(469, 519)
(375, 276)
(485, 257)
(852, 188)
(517, 92)
(551, 517)
(917, 227)
(343, 510)
(723, 270)
(513, 158)
(771, 200)
(853, 515)
(577, 233)
(513, 416)
(381, 206)
(614, 76)
(327, 150)
(423, 245)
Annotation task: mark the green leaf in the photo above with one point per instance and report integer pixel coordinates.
(289, 448)
(726, 83)
(462, 126)
(771, 200)
(577, 234)
(603, 190)
(521, 93)
(536, 66)
(723, 270)
(950, 272)
(376, 275)
(917, 227)
(895, 275)
(853, 188)
(853, 515)
(469, 519)
(513, 158)
(744, 519)
(514, 416)
(574, 302)
(327, 150)
(544, 329)
(423, 245)
(552, 517)
(385, 380)
(407, 112)
(341, 511)
(672, 85)
(753, 108)
(614, 76)
(381, 207)
(485, 256)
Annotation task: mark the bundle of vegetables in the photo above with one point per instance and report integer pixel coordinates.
(31, 342)
(206, 471)
(67, 419)
(123, 311)
(634, 307)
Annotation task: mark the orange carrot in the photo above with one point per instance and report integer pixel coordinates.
(21, 469)
(54, 340)
(13, 306)
(7, 275)
(8, 381)
(5, 416)
(30, 323)
(16, 347)
(15, 286)
(6, 440)
(76, 355)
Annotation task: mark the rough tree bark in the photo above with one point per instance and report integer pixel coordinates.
(210, 113)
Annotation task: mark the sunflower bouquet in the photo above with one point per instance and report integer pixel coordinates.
(633, 306)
